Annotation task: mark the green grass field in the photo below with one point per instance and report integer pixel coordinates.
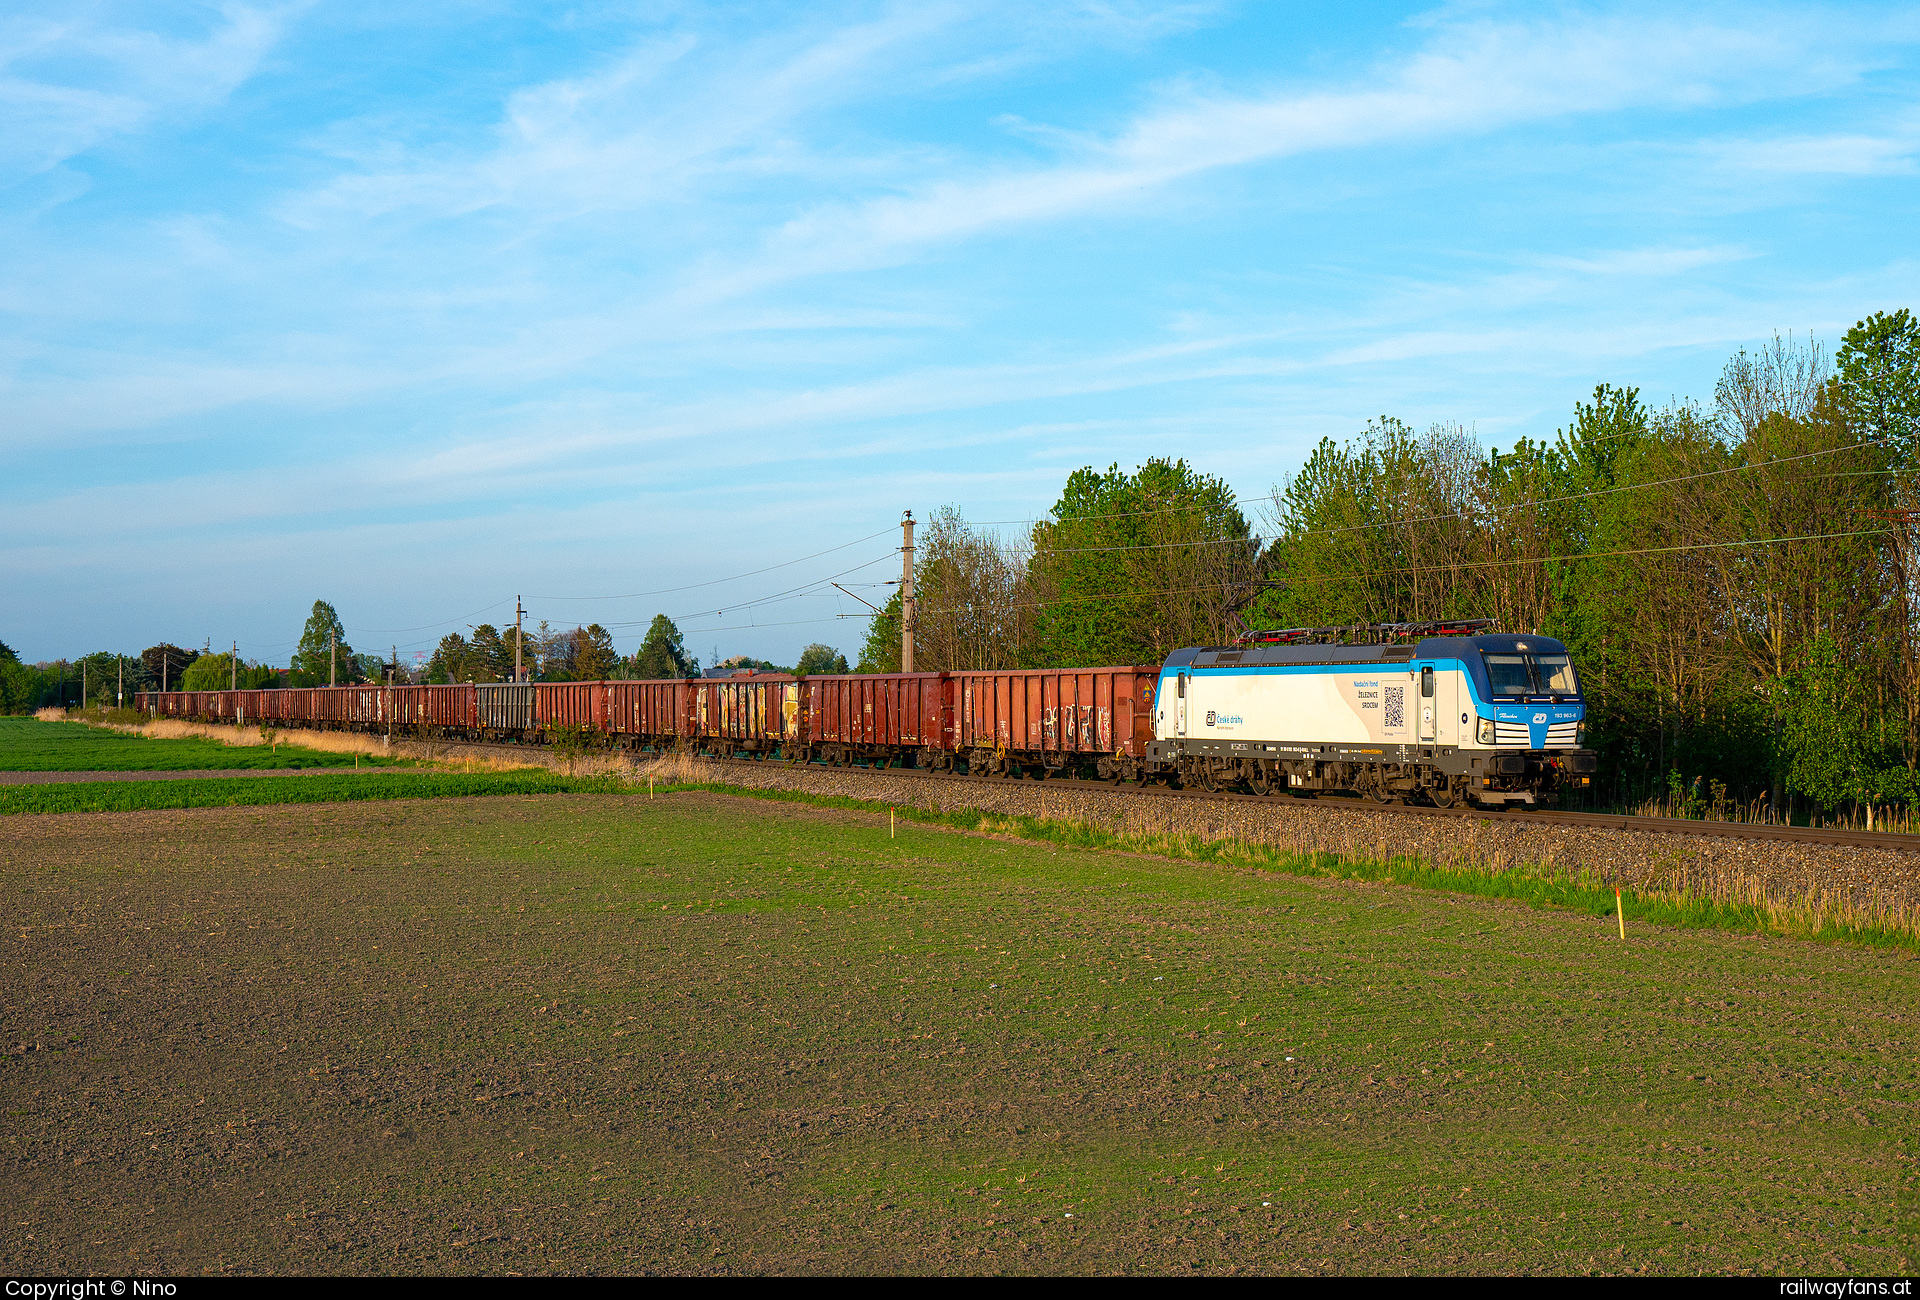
(29, 745)
(709, 1034)
(239, 791)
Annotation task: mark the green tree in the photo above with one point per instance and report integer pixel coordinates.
(211, 672)
(818, 658)
(594, 656)
(16, 687)
(662, 653)
(491, 656)
(450, 659)
(1879, 372)
(881, 653)
(1129, 566)
(1830, 751)
(1879, 381)
(323, 653)
(16, 682)
(165, 663)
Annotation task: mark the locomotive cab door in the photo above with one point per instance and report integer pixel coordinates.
(1180, 706)
(1446, 706)
(1427, 703)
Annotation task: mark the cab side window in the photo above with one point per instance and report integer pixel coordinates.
(1426, 683)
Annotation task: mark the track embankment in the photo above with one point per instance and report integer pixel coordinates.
(1780, 870)
(1779, 863)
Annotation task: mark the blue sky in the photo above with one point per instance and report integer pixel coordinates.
(416, 307)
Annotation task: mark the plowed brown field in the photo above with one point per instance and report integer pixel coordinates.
(582, 1033)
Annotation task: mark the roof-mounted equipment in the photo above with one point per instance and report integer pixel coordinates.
(1349, 633)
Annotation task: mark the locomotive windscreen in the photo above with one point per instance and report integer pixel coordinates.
(1522, 674)
(1555, 673)
(1508, 675)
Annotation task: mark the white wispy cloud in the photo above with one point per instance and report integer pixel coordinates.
(68, 84)
(1471, 78)
(656, 126)
(1840, 154)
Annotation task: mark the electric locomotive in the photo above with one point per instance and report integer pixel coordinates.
(1437, 712)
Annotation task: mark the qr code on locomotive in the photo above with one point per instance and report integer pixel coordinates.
(1396, 710)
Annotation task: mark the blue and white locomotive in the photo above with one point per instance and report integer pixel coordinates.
(1455, 716)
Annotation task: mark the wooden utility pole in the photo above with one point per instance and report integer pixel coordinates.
(236, 666)
(333, 658)
(906, 592)
(518, 614)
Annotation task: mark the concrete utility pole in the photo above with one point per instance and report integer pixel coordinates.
(906, 592)
(518, 613)
(236, 666)
(333, 659)
(83, 683)
(119, 681)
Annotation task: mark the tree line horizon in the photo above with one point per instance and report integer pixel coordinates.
(1736, 581)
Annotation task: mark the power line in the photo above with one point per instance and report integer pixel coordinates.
(694, 586)
(1144, 546)
(391, 631)
(1434, 568)
(774, 598)
(1582, 496)
(1596, 555)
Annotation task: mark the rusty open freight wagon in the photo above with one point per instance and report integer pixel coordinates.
(751, 713)
(1054, 719)
(876, 717)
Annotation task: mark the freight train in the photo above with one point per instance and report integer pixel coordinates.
(1435, 713)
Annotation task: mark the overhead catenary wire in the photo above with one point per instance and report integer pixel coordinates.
(774, 598)
(1406, 569)
(1497, 508)
(390, 631)
(1598, 492)
(694, 586)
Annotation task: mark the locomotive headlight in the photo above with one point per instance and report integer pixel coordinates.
(1580, 736)
(1486, 731)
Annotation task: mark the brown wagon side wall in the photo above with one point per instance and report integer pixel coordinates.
(1057, 711)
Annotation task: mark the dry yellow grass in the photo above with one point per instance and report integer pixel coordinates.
(329, 742)
(667, 769)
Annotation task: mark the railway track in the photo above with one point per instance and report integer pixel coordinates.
(1883, 840)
